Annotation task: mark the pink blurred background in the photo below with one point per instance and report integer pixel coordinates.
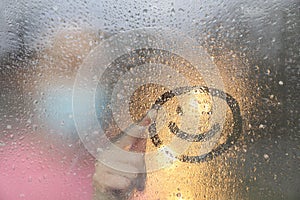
(34, 168)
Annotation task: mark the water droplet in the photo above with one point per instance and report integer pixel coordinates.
(119, 96)
(178, 195)
(34, 127)
(262, 126)
(266, 156)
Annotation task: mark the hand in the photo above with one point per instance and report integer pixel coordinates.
(112, 184)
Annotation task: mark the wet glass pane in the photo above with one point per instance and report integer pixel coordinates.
(149, 99)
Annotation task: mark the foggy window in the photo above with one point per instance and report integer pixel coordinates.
(149, 99)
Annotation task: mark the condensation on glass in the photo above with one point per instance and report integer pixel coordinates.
(254, 46)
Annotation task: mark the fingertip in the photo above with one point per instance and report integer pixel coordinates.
(145, 121)
(150, 117)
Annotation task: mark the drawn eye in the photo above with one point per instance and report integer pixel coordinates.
(179, 110)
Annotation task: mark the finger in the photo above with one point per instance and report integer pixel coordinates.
(122, 160)
(136, 130)
(128, 142)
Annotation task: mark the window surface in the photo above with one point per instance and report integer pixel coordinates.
(221, 76)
